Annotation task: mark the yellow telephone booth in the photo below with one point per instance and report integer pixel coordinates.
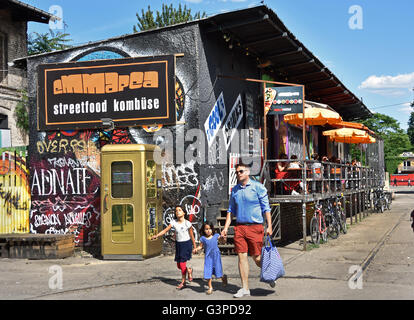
(131, 202)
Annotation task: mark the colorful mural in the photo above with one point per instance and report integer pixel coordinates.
(14, 191)
(66, 175)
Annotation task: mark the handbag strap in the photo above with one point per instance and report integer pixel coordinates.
(267, 239)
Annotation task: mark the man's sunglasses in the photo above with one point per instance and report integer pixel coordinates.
(240, 171)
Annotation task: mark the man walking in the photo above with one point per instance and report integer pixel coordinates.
(248, 203)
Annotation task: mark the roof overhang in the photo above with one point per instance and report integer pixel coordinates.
(24, 12)
(262, 33)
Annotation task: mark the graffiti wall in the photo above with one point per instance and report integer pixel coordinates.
(14, 191)
(65, 185)
(65, 165)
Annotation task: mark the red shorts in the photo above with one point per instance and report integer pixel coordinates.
(248, 238)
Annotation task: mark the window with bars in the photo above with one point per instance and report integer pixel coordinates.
(3, 56)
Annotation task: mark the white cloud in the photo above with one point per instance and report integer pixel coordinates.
(389, 85)
(387, 82)
(194, 1)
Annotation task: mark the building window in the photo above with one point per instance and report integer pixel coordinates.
(3, 56)
(4, 122)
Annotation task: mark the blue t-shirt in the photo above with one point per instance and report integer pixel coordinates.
(249, 203)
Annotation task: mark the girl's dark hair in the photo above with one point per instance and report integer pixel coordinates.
(207, 223)
(185, 213)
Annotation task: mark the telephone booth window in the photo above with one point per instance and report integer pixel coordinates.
(121, 179)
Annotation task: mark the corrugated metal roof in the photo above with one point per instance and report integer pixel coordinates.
(260, 30)
(25, 12)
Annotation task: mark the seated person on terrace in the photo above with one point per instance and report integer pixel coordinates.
(316, 173)
(280, 173)
(325, 174)
(294, 164)
(282, 165)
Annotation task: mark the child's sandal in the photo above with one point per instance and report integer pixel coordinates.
(181, 286)
(190, 274)
(209, 291)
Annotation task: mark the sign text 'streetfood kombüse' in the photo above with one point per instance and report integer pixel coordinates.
(132, 91)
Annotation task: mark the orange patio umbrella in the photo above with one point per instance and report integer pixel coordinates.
(314, 116)
(349, 135)
(355, 125)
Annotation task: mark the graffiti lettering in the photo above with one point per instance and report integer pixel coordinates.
(56, 146)
(181, 176)
(47, 182)
(78, 218)
(12, 199)
(46, 220)
(214, 181)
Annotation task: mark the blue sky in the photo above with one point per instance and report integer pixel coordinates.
(375, 60)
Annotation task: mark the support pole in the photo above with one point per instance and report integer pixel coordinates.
(305, 188)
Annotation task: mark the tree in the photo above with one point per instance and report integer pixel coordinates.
(396, 141)
(47, 42)
(410, 130)
(21, 112)
(168, 16)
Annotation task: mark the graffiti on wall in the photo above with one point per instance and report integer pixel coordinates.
(193, 208)
(65, 170)
(14, 191)
(65, 186)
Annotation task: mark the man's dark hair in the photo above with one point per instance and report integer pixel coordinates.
(241, 164)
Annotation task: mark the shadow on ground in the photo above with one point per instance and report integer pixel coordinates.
(200, 286)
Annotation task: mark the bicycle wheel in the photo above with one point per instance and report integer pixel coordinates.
(333, 226)
(381, 207)
(342, 220)
(314, 230)
(388, 204)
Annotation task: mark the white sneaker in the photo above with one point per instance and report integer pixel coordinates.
(241, 293)
(294, 193)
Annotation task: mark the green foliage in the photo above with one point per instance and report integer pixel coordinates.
(410, 130)
(22, 112)
(396, 141)
(168, 16)
(392, 163)
(47, 42)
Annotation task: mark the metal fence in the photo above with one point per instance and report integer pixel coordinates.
(316, 177)
(14, 191)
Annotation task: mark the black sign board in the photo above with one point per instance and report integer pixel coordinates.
(131, 91)
(283, 100)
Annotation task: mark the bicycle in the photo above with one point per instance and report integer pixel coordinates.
(379, 201)
(332, 221)
(341, 213)
(388, 200)
(318, 228)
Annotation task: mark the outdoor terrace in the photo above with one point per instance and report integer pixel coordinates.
(323, 180)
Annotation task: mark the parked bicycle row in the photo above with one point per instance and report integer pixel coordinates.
(329, 217)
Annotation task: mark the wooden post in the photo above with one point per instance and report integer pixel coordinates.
(264, 123)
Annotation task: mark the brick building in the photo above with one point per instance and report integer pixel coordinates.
(14, 16)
